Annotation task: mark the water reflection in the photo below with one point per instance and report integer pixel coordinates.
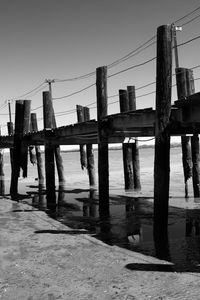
(134, 229)
(90, 206)
(130, 225)
(192, 225)
(39, 201)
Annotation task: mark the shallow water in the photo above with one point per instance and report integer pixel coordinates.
(130, 224)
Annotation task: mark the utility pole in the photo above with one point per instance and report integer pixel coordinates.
(9, 108)
(176, 28)
(50, 81)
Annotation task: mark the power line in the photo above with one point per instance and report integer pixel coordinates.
(87, 75)
(193, 19)
(37, 108)
(132, 67)
(30, 92)
(132, 53)
(187, 15)
(189, 41)
(74, 93)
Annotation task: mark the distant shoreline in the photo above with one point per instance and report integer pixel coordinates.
(173, 145)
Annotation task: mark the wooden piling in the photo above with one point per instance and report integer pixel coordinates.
(89, 153)
(58, 158)
(135, 148)
(11, 132)
(103, 163)
(194, 143)
(162, 136)
(2, 179)
(182, 92)
(26, 129)
(126, 147)
(49, 151)
(80, 118)
(34, 128)
(18, 133)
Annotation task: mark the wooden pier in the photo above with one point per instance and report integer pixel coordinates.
(166, 120)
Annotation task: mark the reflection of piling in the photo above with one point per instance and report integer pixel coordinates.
(103, 165)
(90, 153)
(89, 207)
(162, 138)
(135, 148)
(126, 147)
(34, 127)
(49, 151)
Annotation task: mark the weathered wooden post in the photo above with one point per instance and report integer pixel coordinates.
(2, 179)
(103, 164)
(58, 158)
(57, 152)
(194, 143)
(162, 136)
(11, 132)
(80, 118)
(135, 148)
(26, 128)
(182, 92)
(126, 147)
(15, 171)
(34, 128)
(49, 151)
(90, 153)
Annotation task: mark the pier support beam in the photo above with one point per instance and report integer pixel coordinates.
(103, 164)
(81, 118)
(135, 148)
(19, 110)
(194, 143)
(2, 178)
(49, 152)
(11, 132)
(162, 138)
(182, 92)
(58, 159)
(126, 147)
(34, 128)
(90, 153)
(26, 130)
(20, 151)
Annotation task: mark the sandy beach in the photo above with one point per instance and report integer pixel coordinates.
(70, 254)
(43, 259)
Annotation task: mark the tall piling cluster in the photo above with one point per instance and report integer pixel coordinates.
(129, 123)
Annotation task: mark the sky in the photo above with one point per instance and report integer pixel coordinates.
(64, 39)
